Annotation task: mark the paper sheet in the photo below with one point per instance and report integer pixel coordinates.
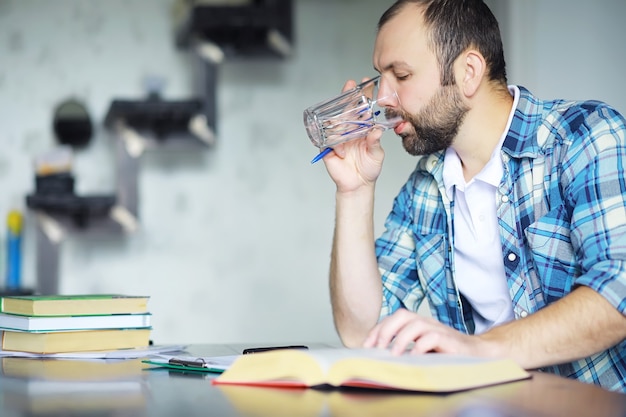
(109, 354)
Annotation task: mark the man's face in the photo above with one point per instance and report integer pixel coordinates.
(432, 113)
(434, 127)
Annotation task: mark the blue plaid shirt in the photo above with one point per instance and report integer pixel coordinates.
(562, 216)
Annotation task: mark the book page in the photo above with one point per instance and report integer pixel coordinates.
(433, 372)
(327, 357)
(107, 354)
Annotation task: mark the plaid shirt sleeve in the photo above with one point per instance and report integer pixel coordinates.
(595, 169)
(573, 216)
(578, 236)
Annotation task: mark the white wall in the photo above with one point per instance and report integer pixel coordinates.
(234, 242)
(572, 49)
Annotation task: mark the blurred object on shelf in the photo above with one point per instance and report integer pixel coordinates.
(15, 225)
(54, 161)
(72, 124)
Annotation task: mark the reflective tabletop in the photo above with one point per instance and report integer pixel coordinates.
(54, 387)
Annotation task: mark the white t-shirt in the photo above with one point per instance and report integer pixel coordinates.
(478, 260)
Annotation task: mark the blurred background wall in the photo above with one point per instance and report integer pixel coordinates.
(234, 240)
(566, 49)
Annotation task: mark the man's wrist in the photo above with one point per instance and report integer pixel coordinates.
(494, 344)
(364, 192)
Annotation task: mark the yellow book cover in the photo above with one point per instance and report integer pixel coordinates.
(78, 341)
(369, 368)
(74, 305)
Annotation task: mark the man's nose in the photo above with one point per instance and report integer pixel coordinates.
(387, 96)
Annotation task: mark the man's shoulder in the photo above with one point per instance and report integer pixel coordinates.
(564, 111)
(543, 123)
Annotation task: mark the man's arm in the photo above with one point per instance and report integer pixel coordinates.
(577, 326)
(355, 286)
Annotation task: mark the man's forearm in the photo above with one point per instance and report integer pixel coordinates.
(355, 286)
(577, 326)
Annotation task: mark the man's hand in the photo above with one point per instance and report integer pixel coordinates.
(357, 162)
(404, 328)
(579, 325)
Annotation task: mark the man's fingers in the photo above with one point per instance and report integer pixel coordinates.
(349, 85)
(429, 342)
(405, 330)
(372, 338)
(340, 150)
(386, 331)
(373, 138)
(420, 334)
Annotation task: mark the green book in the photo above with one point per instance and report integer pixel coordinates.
(74, 305)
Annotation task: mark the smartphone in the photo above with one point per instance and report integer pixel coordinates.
(265, 349)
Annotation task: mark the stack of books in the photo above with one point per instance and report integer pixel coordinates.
(74, 323)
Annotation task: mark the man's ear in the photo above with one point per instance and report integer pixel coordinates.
(472, 68)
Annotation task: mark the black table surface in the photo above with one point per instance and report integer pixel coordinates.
(36, 387)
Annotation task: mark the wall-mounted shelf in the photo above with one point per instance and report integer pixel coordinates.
(258, 28)
(212, 33)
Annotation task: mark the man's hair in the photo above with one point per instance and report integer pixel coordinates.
(453, 26)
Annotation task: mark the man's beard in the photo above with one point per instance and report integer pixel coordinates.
(436, 125)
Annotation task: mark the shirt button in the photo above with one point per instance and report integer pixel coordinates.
(512, 257)
(523, 314)
(505, 199)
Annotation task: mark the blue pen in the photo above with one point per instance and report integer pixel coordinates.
(321, 155)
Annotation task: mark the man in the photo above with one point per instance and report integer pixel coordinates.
(513, 224)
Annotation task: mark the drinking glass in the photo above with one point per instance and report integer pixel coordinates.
(350, 115)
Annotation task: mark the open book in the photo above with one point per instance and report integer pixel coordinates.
(369, 368)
